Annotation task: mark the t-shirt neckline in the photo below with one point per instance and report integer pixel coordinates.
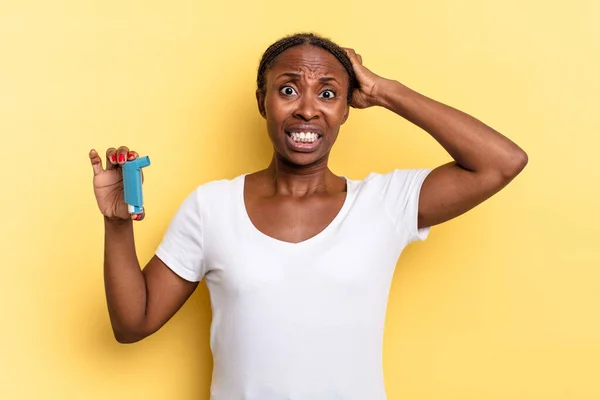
(313, 239)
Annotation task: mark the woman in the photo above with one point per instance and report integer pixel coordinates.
(298, 261)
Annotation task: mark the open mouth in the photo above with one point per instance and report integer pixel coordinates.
(303, 137)
(303, 141)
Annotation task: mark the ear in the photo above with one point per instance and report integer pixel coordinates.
(260, 99)
(346, 114)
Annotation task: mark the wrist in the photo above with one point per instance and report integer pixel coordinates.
(394, 96)
(381, 93)
(116, 222)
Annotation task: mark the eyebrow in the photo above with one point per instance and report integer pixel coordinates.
(290, 74)
(298, 76)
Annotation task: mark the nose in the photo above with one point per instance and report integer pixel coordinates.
(307, 108)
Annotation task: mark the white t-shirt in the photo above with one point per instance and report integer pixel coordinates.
(298, 321)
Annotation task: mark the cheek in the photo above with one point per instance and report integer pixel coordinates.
(275, 108)
(336, 114)
(274, 124)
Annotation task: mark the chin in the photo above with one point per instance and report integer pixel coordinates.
(302, 159)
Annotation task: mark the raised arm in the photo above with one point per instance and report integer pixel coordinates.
(484, 160)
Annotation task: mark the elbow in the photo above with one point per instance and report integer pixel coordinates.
(127, 337)
(123, 339)
(516, 162)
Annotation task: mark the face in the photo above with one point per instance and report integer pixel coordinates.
(305, 104)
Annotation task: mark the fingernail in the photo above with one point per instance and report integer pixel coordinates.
(113, 158)
(130, 155)
(121, 157)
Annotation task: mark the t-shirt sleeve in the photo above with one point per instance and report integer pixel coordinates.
(400, 192)
(182, 246)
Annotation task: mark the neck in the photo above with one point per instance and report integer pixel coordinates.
(295, 180)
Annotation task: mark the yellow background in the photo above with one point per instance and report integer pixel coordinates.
(501, 303)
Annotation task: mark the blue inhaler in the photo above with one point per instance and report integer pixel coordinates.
(132, 184)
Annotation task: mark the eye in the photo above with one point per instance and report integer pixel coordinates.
(328, 94)
(288, 91)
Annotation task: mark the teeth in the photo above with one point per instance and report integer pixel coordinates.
(305, 137)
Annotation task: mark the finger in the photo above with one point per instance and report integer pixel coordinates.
(122, 155)
(96, 162)
(140, 216)
(354, 58)
(142, 172)
(350, 52)
(132, 155)
(111, 158)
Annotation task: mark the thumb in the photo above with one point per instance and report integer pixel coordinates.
(96, 162)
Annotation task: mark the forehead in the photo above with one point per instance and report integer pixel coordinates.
(308, 60)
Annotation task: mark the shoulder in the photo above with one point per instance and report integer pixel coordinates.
(397, 193)
(214, 195)
(219, 186)
(399, 178)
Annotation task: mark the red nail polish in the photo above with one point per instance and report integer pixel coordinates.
(121, 157)
(113, 158)
(130, 155)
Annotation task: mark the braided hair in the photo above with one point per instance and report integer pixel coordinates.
(299, 39)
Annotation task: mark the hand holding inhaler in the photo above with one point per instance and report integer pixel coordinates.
(118, 188)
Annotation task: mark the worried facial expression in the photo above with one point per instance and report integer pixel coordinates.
(305, 103)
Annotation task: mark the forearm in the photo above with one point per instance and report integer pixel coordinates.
(124, 282)
(472, 144)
